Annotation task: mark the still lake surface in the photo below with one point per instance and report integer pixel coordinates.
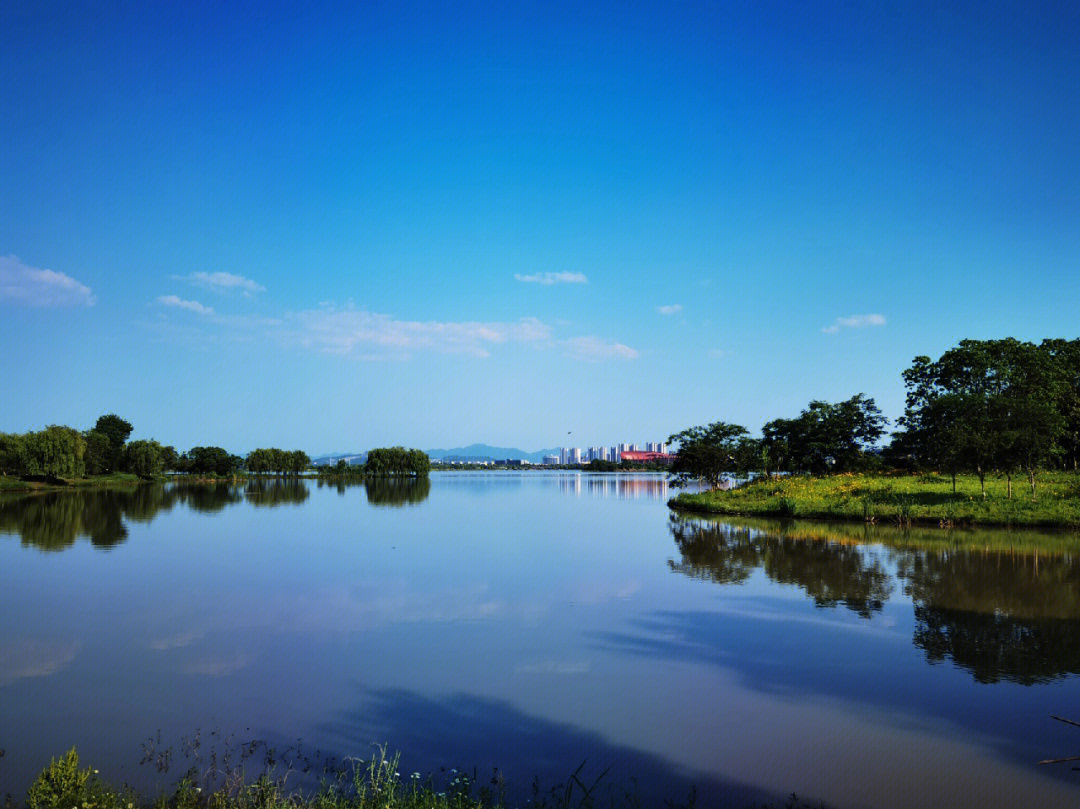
(533, 621)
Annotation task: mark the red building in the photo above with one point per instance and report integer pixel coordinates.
(637, 456)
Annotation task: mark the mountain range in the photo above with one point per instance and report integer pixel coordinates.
(486, 452)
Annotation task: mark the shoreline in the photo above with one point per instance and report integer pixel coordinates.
(901, 500)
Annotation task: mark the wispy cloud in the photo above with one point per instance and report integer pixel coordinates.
(374, 335)
(222, 282)
(358, 333)
(854, 322)
(180, 303)
(673, 309)
(35, 658)
(595, 349)
(30, 286)
(548, 278)
(717, 353)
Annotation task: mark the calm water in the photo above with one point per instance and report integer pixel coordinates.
(535, 621)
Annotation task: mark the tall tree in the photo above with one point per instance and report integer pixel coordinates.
(143, 458)
(986, 406)
(56, 452)
(115, 429)
(826, 437)
(705, 453)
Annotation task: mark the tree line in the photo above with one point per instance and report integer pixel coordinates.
(998, 407)
(59, 452)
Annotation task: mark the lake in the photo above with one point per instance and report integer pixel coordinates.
(532, 622)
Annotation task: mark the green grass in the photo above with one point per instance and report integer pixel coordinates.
(357, 784)
(14, 484)
(900, 499)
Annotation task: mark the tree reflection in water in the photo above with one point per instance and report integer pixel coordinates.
(276, 491)
(829, 574)
(998, 613)
(402, 491)
(53, 521)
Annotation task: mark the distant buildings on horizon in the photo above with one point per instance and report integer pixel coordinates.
(574, 456)
(568, 456)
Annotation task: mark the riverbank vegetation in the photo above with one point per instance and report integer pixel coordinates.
(898, 498)
(63, 456)
(376, 783)
(986, 410)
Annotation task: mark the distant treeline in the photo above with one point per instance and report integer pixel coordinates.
(383, 462)
(984, 407)
(59, 452)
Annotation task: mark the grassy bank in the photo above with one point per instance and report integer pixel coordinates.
(904, 499)
(373, 784)
(17, 484)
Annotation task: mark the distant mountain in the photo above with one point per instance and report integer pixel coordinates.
(487, 452)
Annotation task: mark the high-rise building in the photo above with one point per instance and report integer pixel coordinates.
(551, 460)
(573, 455)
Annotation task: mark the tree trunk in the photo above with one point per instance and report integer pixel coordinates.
(1031, 480)
(982, 480)
(1008, 485)
(954, 482)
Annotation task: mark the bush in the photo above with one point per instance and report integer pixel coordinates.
(61, 785)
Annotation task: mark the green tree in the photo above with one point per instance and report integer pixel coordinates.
(705, 453)
(56, 452)
(143, 458)
(389, 461)
(116, 430)
(12, 454)
(170, 461)
(211, 461)
(99, 453)
(987, 406)
(826, 438)
(297, 461)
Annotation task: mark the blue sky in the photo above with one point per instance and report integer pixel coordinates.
(341, 226)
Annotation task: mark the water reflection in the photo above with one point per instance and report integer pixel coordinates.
(396, 491)
(54, 521)
(999, 613)
(615, 486)
(276, 492)
(830, 574)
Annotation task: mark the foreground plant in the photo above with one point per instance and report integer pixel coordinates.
(375, 783)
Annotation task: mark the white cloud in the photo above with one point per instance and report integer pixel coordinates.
(222, 282)
(854, 322)
(548, 278)
(180, 303)
(673, 309)
(343, 331)
(717, 353)
(30, 286)
(594, 349)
